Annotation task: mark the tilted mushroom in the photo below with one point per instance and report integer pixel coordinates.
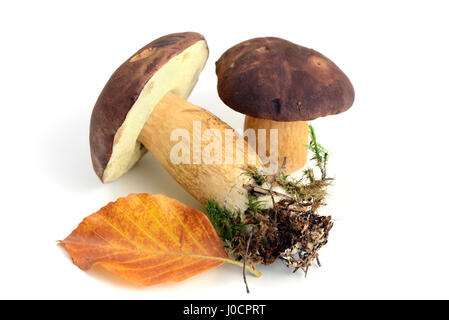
(144, 102)
(280, 85)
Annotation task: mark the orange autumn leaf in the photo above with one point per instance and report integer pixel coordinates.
(147, 239)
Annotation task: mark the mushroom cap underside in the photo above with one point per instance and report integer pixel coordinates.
(171, 63)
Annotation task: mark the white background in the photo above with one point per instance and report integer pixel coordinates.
(389, 152)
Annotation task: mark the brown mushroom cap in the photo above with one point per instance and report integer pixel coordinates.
(171, 63)
(272, 78)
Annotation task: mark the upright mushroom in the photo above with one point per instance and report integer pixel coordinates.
(144, 102)
(281, 85)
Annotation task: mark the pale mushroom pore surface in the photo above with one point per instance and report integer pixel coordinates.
(179, 75)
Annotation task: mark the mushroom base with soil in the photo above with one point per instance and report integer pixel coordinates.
(292, 140)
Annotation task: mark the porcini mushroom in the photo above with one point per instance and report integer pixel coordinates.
(280, 85)
(144, 102)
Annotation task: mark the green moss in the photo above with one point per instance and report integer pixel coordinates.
(254, 173)
(226, 223)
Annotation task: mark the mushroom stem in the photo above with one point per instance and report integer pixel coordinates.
(292, 140)
(177, 128)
